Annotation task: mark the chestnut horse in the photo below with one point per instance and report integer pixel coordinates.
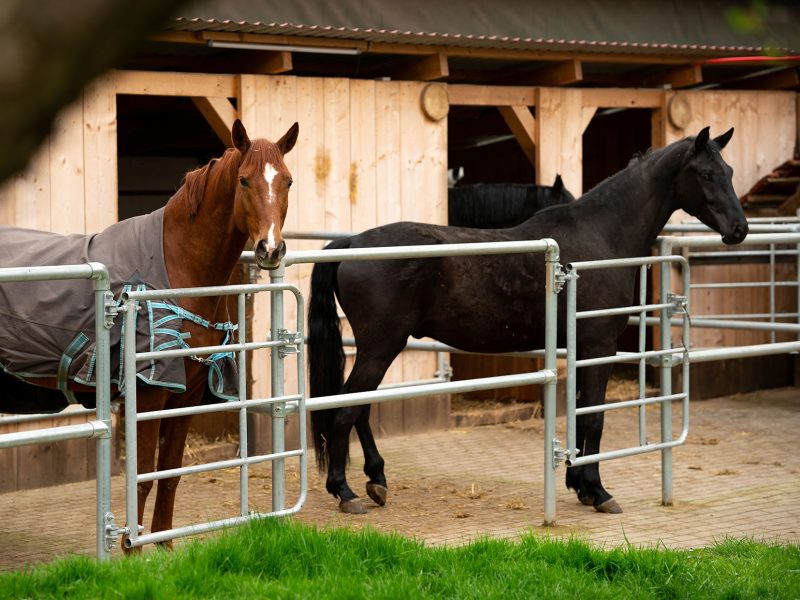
(206, 224)
(495, 303)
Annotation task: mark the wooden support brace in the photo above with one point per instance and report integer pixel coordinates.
(523, 125)
(677, 78)
(427, 68)
(220, 114)
(558, 74)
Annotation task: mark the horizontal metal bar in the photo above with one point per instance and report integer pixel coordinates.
(594, 458)
(203, 292)
(212, 408)
(589, 265)
(697, 356)
(199, 350)
(754, 227)
(450, 387)
(622, 310)
(587, 410)
(755, 239)
(399, 384)
(742, 253)
(89, 430)
(424, 346)
(626, 357)
(179, 532)
(77, 411)
(723, 324)
(745, 316)
(742, 284)
(427, 251)
(316, 235)
(215, 466)
(55, 273)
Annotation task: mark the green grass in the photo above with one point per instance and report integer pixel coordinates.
(273, 559)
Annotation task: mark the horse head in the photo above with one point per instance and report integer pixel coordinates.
(705, 188)
(262, 192)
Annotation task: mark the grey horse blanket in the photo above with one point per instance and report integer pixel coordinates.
(47, 328)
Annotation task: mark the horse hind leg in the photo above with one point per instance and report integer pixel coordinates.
(377, 489)
(367, 373)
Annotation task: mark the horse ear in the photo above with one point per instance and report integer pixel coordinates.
(287, 142)
(239, 136)
(701, 140)
(558, 186)
(723, 140)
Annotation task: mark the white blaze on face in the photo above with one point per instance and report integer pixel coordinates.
(269, 177)
(271, 238)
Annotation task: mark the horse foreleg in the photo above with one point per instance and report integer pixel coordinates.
(170, 456)
(585, 480)
(377, 488)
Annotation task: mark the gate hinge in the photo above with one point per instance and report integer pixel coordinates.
(291, 342)
(110, 309)
(679, 304)
(562, 454)
(112, 531)
(561, 278)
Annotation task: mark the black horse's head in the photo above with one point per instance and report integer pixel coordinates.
(705, 189)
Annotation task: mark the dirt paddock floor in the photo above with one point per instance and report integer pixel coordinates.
(737, 476)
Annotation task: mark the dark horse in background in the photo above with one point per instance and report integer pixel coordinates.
(495, 303)
(242, 195)
(501, 205)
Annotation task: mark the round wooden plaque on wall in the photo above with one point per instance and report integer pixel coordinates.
(679, 111)
(435, 101)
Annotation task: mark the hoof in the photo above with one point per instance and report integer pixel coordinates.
(609, 506)
(378, 493)
(352, 507)
(586, 500)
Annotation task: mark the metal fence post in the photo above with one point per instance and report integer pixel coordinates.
(665, 249)
(550, 341)
(102, 294)
(276, 382)
(131, 439)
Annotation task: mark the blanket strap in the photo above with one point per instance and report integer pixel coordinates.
(74, 347)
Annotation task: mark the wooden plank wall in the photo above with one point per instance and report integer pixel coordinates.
(69, 186)
(765, 130)
(366, 156)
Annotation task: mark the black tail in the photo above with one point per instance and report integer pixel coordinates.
(325, 352)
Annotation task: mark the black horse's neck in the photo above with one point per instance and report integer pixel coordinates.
(632, 207)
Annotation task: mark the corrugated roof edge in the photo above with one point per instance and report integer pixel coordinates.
(448, 40)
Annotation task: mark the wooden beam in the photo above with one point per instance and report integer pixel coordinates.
(523, 125)
(427, 68)
(426, 49)
(622, 98)
(481, 95)
(220, 114)
(587, 114)
(145, 83)
(788, 79)
(557, 74)
(679, 77)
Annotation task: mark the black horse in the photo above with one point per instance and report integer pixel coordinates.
(501, 205)
(495, 303)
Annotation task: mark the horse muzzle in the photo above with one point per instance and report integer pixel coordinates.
(738, 234)
(267, 258)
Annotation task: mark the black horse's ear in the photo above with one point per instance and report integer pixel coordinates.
(723, 140)
(558, 186)
(701, 140)
(287, 142)
(239, 136)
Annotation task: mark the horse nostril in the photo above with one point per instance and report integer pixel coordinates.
(261, 249)
(278, 253)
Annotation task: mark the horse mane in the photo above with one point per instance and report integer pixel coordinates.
(487, 205)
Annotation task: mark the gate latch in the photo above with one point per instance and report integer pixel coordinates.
(291, 342)
(112, 531)
(110, 309)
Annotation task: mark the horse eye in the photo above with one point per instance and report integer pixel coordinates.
(706, 175)
(289, 183)
(243, 182)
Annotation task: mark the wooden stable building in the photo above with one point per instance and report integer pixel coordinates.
(387, 98)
